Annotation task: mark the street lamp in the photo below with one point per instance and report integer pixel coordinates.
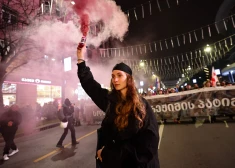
(141, 64)
(208, 48)
(189, 68)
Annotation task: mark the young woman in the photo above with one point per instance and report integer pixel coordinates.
(128, 137)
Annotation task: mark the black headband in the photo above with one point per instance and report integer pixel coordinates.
(123, 67)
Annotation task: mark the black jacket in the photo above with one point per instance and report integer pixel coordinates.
(68, 112)
(132, 147)
(10, 115)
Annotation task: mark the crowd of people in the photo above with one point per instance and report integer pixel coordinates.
(178, 88)
(176, 117)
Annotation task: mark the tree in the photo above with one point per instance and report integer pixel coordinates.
(17, 16)
(21, 20)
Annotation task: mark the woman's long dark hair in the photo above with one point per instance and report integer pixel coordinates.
(132, 103)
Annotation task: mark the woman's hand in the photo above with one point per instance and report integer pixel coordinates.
(80, 53)
(99, 154)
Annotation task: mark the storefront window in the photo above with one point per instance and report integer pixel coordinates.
(9, 88)
(9, 99)
(9, 93)
(47, 93)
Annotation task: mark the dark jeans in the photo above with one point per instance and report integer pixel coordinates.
(72, 130)
(9, 135)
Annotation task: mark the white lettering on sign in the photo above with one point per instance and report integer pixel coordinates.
(199, 104)
(27, 80)
(98, 113)
(44, 81)
(35, 80)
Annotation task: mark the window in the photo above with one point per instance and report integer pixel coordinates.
(8, 88)
(48, 93)
(9, 15)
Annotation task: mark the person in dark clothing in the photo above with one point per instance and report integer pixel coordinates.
(9, 123)
(128, 137)
(68, 111)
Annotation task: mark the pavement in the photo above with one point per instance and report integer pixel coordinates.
(32, 127)
(198, 145)
(47, 124)
(41, 126)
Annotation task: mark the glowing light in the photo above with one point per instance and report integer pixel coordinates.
(154, 76)
(72, 2)
(142, 64)
(67, 64)
(208, 48)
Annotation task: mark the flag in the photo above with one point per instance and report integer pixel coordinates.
(214, 77)
(157, 84)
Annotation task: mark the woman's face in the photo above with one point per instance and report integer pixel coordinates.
(119, 80)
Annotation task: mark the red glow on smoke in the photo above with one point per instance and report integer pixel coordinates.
(80, 8)
(84, 24)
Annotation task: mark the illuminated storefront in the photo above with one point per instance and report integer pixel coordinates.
(9, 93)
(48, 93)
(25, 90)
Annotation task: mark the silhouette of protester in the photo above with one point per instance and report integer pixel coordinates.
(68, 111)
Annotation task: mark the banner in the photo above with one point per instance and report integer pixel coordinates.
(203, 102)
(213, 101)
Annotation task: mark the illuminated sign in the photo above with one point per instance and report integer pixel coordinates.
(67, 64)
(31, 80)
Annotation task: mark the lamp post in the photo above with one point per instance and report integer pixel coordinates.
(207, 49)
(142, 64)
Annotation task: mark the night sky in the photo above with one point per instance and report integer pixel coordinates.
(176, 20)
(187, 16)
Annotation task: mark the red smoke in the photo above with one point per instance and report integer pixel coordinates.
(115, 22)
(80, 8)
(84, 24)
(82, 5)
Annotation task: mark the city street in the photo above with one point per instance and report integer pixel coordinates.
(182, 146)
